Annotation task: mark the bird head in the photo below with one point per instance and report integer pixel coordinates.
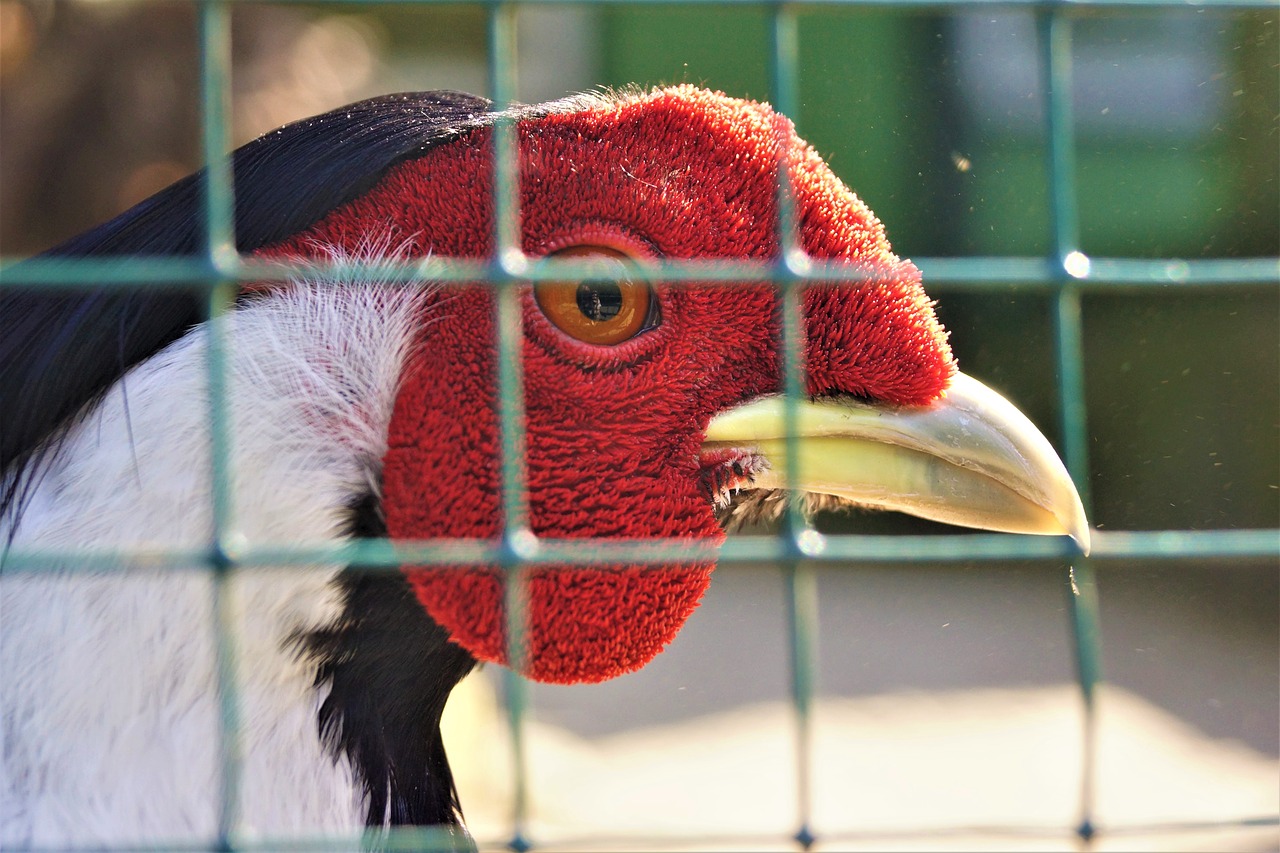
(623, 377)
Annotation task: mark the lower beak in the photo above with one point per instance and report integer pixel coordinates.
(970, 458)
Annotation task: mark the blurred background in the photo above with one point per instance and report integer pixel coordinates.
(945, 691)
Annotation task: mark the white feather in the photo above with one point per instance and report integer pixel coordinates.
(110, 714)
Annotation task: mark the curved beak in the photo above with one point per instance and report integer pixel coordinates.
(971, 458)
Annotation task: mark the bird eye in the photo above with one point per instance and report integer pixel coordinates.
(604, 311)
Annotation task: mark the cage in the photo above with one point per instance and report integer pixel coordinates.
(1091, 192)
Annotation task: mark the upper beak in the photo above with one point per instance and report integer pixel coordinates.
(970, 458)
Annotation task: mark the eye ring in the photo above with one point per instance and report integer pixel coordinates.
(604, 311)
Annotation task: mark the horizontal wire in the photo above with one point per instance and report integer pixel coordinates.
(381, 554)
(429, 839)
(834, 841)
(976, 273)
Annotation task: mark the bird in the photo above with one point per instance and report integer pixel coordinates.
(364, 408)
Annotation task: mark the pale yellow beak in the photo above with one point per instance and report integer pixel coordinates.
(970, 459)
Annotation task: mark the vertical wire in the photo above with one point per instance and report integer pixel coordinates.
(219, 246)
(1055, 29)
(516, 537)
(801, 589)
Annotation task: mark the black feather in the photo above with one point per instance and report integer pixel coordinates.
(389, 669)
(60, 350)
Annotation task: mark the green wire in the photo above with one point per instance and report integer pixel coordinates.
(515, 530)
(219, 247)
(801, 587)
(1055, 30)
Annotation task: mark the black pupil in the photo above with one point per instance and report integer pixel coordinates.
(599, 300)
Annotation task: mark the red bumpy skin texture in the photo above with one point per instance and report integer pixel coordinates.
(613, 433)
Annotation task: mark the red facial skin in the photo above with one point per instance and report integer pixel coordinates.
(613, 432)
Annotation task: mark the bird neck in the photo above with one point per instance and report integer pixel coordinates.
(311, 375)
(388, 670)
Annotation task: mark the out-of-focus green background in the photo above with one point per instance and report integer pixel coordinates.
(936, 120)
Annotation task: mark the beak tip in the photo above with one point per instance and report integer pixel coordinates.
(1076, 525)
(1082, 538)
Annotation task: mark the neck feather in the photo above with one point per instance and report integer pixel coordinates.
(120, 667)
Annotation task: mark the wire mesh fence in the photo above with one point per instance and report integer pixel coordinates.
(1064, 274)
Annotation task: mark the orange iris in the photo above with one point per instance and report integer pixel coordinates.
(604, 311)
